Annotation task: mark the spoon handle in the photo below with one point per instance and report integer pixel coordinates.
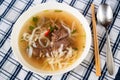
(109, 62)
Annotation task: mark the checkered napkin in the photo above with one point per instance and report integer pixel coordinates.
(10, 69)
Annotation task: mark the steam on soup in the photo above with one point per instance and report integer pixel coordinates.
(52, 40)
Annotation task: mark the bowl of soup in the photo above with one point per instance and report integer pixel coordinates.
(51, 38)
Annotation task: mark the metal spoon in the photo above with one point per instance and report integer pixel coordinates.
(104, 17)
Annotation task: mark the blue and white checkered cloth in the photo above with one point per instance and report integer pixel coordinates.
(10, 69)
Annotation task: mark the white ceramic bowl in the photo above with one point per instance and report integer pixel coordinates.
(32, 11)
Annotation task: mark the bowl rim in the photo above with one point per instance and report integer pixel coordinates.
(44, 6)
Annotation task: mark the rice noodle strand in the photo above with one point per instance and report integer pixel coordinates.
(69, 31)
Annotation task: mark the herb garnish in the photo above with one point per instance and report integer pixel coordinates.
(31, 28)
(73, 31)
(58, 10)
(35, 19)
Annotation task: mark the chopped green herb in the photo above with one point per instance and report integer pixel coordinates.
(75, 48)
(46, 10)
(73, 31)
(21, 39)
(58, 10)
(51, 29)
(31, 28)
(35, 19)
(27, 47)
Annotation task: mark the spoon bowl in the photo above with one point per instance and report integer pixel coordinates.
(104, 15)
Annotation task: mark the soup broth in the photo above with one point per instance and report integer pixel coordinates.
(50, 51)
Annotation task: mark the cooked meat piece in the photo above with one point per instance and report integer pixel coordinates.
(46, 50)
(59, 34)
(37, 44)
(37, 51)
(59, 37)
(64, 41)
